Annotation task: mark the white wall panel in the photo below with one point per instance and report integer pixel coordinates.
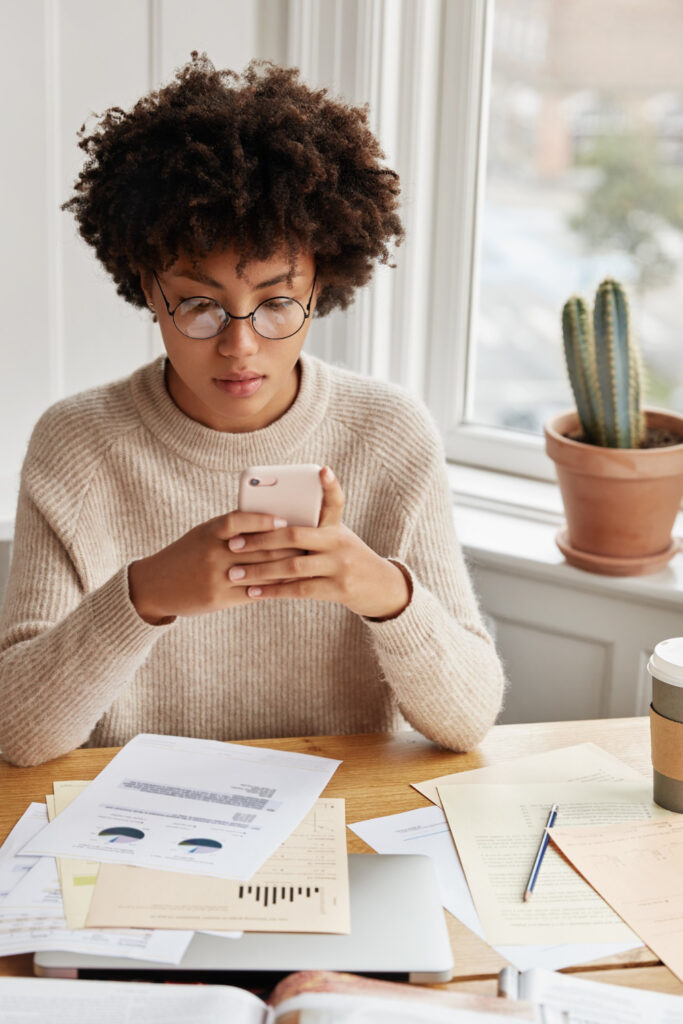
(101, 60)
(225, 29)
(571, 652)
(64, 328)
(24, 264)
(554, 676)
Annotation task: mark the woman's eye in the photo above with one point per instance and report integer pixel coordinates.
(278, 304)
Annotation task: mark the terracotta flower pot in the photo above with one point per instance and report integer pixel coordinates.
(620, 503)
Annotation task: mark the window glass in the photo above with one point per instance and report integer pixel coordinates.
(584, 180)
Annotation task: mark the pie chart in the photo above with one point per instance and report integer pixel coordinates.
(122, 834)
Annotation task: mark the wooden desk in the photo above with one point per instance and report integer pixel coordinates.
(374, 778)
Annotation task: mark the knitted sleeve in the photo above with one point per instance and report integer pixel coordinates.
(437, 656)
(64, 655)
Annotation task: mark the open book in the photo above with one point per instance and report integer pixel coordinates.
(308, 997)
(566, 999)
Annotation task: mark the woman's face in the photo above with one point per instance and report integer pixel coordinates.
(238, 380)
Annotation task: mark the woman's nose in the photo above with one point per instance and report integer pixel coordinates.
(238, 336)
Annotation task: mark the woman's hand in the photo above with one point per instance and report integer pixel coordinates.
(332, 564)
(190, 576)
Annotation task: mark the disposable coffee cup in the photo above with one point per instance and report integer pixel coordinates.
(666, 723)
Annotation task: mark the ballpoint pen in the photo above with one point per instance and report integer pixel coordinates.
(541, 852)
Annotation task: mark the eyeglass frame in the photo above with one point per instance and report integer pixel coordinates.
(230, 316)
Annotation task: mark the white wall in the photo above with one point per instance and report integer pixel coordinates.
(63, 326)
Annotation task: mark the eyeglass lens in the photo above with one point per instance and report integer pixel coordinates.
(275, 318)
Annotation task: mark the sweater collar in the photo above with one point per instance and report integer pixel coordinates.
(221, 450)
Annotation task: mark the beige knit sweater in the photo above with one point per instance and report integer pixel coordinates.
(119, 472)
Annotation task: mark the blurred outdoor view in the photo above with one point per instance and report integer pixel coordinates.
(584, 180)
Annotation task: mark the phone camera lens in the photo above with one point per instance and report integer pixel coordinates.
(254, 482)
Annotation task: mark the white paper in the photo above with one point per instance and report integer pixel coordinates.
(584, 762)
(57, 1001)
(426, 831)
(32, 918)
(13, 866)
(570, 1000)
(193, 806)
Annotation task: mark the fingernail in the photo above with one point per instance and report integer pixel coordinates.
(329, 475)
(236, 543)
(254, 591)
(236, 573)
(279, 523)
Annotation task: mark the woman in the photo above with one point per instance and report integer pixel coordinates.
(139, 599)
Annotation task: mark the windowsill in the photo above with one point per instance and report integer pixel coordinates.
(509, 523)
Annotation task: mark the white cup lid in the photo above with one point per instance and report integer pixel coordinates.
(666, 662)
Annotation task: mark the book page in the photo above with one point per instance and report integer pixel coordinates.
(338, 1008)
(304, 997)
(497, 830)
(303, 887)
(54, 1001)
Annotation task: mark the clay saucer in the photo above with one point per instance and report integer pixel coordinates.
(606, 566)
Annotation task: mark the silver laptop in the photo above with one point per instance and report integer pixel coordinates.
(398, 931)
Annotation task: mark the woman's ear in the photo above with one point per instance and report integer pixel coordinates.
(146, 283)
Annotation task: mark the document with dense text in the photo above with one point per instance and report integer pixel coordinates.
(497, 829)
(186, 805)
(426, 830)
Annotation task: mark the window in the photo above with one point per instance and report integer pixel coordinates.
(579, 108)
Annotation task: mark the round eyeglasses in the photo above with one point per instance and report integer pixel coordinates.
(201, 317)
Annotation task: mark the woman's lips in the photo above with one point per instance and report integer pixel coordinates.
(239, 388)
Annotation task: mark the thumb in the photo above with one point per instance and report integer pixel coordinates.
(333, 499)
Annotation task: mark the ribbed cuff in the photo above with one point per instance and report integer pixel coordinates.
(117, 622)
(411, 629)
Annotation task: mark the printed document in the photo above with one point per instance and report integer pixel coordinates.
(12, 865)
(32, 918)
(186, 805)
(426, 830)
(584, 762)
(497, 829)
(638, 869)
(303, 887)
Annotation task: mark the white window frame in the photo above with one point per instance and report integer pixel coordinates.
(460, 188)
(424, 67)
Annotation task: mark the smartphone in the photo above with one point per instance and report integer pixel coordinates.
(293, 492)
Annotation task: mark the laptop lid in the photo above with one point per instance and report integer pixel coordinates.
(398, 931)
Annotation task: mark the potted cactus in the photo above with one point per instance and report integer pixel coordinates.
(619, 467)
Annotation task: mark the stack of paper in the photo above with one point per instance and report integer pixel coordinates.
(177, 835)
(496, 817)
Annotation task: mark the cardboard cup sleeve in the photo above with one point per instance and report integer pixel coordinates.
(667, 745)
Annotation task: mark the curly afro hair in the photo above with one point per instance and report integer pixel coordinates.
(258, 161)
